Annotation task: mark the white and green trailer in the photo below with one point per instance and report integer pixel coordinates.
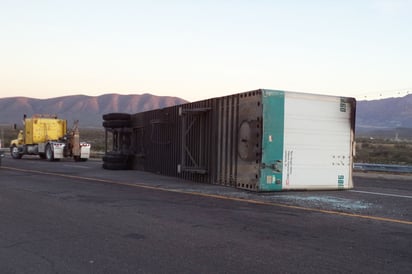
(261, 140)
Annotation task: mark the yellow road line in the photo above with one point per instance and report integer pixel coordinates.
(221, 197)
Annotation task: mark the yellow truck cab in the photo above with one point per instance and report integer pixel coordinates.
(47, 136)
(19, 140)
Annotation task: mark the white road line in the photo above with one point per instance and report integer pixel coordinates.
(382, 194)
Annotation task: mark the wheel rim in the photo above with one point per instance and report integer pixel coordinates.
(49, 154)
(15, 151)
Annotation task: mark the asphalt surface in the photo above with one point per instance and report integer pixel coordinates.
(75, 217)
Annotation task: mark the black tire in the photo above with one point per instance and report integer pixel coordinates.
(42, 155)
(14, 152)
(116, 166)
(116, 124)
(49, 153)
(115, 158)
(116, 116)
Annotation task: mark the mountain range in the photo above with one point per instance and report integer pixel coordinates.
(383, 117)
(87, 109)
(385, 113)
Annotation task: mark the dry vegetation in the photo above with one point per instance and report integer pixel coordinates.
(7, 133)
(383, 151)
(94, 136)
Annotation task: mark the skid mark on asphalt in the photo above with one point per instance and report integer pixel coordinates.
(221, 197)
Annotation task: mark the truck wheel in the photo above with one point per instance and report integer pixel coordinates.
(116, 116)
(49, 153)
(14, 151)
(78, 159)
(42, 155)
(116, 123)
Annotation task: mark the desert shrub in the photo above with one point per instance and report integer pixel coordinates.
(383, 152)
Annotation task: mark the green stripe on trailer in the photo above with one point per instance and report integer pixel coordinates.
(272, 140)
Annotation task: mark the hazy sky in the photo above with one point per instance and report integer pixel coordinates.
(203, 49)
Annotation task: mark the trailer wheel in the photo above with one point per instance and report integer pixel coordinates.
(14, 151)
(42, 155)
(113, 158)
(116, 166)
(116, 116)
(116, 123)
(49, 153)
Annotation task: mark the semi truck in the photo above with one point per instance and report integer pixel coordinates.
(47, 136)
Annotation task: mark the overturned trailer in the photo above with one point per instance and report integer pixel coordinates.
(262, 140)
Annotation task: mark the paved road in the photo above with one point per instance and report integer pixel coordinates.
(69, 217)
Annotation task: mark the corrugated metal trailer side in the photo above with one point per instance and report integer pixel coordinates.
(194, 141)
(252, 140)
